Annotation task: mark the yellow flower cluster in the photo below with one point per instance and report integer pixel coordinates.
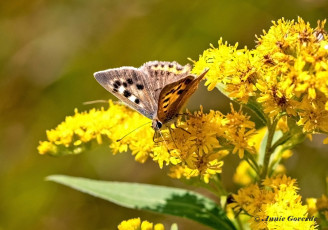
(193, 147)
(136, 224)
(318, 206)
(287, 73)
(78, 131)
(277, 198)
(230, 69)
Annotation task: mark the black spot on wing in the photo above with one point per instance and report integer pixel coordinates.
(116, 85)
(140, 87)
(125, 84)
(166, 100)
(165, 106)
(137, 101)
(115, 90)
(170, 92)
(117, 82)
(130, 81)
(187, 81)
(126, 93)
(180, 91)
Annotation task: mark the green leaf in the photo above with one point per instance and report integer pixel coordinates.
(256, 108)
(160, 199)
(276, 137)
(262, 148)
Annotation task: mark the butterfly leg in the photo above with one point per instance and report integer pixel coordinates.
(176, 126)
(170, 129)
(186, 114)
(167, 147)
(155, 137)
(184, 130)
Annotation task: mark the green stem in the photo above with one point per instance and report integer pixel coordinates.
(278, 143)
(211, 189)
(240, 224)
(252, 162)
(219, 186)
(268, 148)
(281, 141)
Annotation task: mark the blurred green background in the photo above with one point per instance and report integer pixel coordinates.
(48, 53)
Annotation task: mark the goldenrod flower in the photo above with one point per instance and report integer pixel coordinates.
(239, 130)
(230, 69)
(278, 198)
(136, 224)
(217, 60)
(200, 142)
(286, 74)
(195, 145)
(314, 117)
(77, 131)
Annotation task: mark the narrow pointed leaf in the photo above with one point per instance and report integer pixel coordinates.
(160, 199)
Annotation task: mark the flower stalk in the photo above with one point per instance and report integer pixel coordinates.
(268, 148)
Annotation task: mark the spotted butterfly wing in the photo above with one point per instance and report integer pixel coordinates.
(130, 85)
(175, 95)
(162, 73)
(158, 90)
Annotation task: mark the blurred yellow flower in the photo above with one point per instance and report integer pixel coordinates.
(312, 207)
(136, 224)
(322, 205)
(244, 174)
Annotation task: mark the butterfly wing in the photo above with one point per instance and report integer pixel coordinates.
(161, 73)
(175, 95)
(130, 85)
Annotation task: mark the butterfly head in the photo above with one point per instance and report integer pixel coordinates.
(157, 124)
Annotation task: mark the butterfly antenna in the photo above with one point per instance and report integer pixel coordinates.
(118, 140)
(95, 102)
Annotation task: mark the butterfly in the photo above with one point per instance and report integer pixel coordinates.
(157, 89)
